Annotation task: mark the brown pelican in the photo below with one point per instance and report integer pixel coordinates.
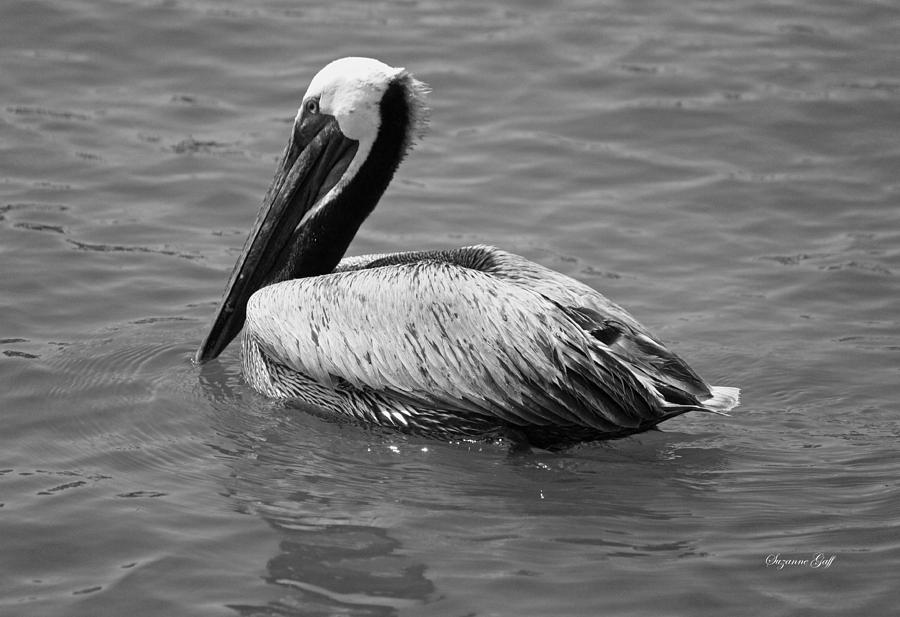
(456, 343)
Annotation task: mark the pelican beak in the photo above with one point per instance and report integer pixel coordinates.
(316, 157)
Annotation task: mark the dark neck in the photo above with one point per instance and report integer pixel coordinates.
(320, 243)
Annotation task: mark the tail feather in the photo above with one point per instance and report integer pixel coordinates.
(723, 399)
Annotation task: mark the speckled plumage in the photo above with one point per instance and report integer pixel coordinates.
(463, 342)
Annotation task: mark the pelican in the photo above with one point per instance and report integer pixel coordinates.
(467, 343)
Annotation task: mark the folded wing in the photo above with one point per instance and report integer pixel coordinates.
(443, 335)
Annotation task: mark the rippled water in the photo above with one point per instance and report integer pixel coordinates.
(727, 171)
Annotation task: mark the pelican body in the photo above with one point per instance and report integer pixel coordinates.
(463, 343)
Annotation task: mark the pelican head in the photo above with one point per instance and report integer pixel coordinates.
(355, 123)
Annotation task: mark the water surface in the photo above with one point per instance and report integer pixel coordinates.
(728, 172)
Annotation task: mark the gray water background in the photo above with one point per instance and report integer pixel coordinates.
(726, 171)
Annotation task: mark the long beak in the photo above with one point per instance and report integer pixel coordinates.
(314, 160)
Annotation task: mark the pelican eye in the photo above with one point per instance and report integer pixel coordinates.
(311, 106)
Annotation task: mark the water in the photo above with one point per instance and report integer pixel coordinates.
(727, 171)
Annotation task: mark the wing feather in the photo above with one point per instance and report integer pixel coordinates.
(620, 333)
(442, 335)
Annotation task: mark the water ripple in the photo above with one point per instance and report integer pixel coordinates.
(726, 171)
